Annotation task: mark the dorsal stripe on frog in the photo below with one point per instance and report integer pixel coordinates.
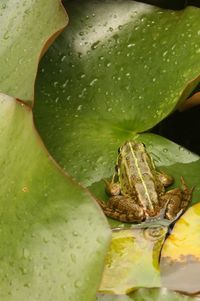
(144, 186)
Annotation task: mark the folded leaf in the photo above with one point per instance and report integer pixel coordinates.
(180, 257)
(53, 236)
(26, 27)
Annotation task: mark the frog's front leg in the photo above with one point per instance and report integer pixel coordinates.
(113, 188)
(165, 179)
(177, 200)
(123, 208)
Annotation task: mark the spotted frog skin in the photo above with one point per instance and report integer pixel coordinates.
(137, 190)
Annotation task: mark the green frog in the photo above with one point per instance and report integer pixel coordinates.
(137, 190)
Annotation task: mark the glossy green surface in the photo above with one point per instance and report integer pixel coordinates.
(53, 236)
(25, 28)
(118, 69)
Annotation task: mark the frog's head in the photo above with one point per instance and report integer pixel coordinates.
(133, 145)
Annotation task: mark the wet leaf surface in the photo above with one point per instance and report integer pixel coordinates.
(53, 236)
(180, 257)
(134, 258)
(117, 69)
(25, 28)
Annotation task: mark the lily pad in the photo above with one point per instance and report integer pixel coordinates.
(53, 236)
(118, 69)
(134, 258)
(26, 27)
(180, 257)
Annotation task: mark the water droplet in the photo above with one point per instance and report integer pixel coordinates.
(75, 233)
(23, 270)
(82, 75)
(165, 53)
(92, 83)
(27, 285)
(94, 46)
(73, 257)
(26, 253)
(131, 45)
(79, 108)
(6, 35)
(65, 83)
(63, 58)
(77, 284)
(45, 240)
(63, 286)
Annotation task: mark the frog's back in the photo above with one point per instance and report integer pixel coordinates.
(137, 174)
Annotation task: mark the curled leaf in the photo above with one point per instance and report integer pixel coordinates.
(26, 27)
(180, 257)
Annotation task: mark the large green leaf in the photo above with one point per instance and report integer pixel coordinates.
(53, 236)
(118, 69)
(25, 28)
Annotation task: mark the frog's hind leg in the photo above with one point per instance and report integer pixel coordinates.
(177, 200)
(123, 208)
(172, 201)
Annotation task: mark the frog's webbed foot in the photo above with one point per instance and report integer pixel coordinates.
(123, 209)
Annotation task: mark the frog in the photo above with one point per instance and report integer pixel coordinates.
(137, 191)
